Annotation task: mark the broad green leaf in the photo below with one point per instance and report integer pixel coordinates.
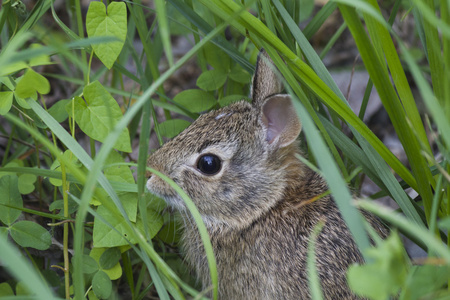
(58, 110)
(195, 100)
(36, 119)
(170, 233)
(217, 58)
(238, 74)
(119, 173)
(105, 236)
(30, 234)
(26, 183)
(56, 166)
(90, 265)
(22, 289)
(115, 272)
(4, 233)
(31, 83)
(171, 128)
(424, 280)
(109, 258)
(13, 67)
(22, 102)
(8, 82)
(122, 174)
(383, 277)
(6, 290)
(39, 60)
(101, 285)
(111, 24)
(212, 80)
(97, 115)
(59, 205)
(51, 277)
(92, 296)
(231, 99)
(9, 191)
(6, 99)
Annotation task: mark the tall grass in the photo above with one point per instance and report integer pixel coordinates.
(272, 25)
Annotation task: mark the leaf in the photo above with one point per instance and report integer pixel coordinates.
(115, 272)
(39, 60)
(172, 128)
(238, 74)
(170, 233)
(13, 67)
(56, 166)
(26, 183)
(31, 83)
(90, 265)
(306, 8)
(6, 99)
(30, 234)
(113, 24)
(58, 110)
(99, 114)
(195, 100)
(444, 223)
(101, 285)
(424, 280)
(9, 189)
(22, 289)
(22, 102)
(110, 258)
(122, 174)
(59, 205)
(383, 277)
(105, 236)
(212, 80)
(6, 290)
(4, 233)
(217, 58)
(92, 296)
(231, 99)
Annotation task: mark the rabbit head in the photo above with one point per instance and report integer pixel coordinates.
(232, 162)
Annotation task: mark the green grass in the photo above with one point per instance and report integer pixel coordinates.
(49, 146)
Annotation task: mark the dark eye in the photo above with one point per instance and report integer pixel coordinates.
(209, 164)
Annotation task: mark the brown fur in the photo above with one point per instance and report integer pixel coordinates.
(258, 230)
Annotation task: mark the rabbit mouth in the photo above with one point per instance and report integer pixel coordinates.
(174, 201)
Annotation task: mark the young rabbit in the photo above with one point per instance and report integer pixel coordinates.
(238, 165)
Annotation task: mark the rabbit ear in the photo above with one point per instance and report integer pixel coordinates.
(280, 120)
(265, 81)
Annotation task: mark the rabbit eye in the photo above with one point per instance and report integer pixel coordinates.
(209, 164)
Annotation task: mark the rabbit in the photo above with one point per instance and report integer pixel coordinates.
(238, 165)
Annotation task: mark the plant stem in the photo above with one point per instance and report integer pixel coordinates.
(65, 190)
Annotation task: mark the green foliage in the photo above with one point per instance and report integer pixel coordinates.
(111, 22)
(195, 100)
(385, 275)
(101, 285)
(9, 189)
(97, 114)
(171, 128)
(30, 234)
(67, 162)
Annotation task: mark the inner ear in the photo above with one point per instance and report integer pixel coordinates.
(280, 120)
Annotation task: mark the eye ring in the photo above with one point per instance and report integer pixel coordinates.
(209, 164)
